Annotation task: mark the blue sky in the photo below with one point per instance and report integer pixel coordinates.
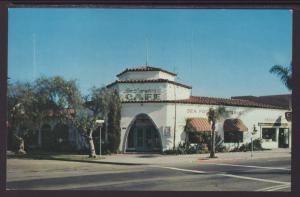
(220, 53)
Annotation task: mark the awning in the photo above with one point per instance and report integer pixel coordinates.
(234, 125)
(199, 125)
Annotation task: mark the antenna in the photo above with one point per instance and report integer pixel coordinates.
(34, 56)
(147, 55)
(175, 71)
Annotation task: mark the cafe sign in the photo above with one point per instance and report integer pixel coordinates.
(141, 94)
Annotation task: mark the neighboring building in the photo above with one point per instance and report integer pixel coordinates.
(155, 110)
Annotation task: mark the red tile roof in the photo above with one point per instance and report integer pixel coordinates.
(149, 81)
(199, 124)
(225, 101)
(234, 125)
(214, 101)
(283, 100)
(144, 68)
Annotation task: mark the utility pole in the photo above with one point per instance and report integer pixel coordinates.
(175, 110)
(252, 133)
(100, 122)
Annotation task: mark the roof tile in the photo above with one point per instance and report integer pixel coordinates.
(213, 101)
(145, 68)
(149, 81)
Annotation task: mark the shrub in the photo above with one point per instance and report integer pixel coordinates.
(206, 138)
(105, 148)
(257, 146)
(30, 138)
(172, 152)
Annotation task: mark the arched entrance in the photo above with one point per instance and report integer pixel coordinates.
(143, 135)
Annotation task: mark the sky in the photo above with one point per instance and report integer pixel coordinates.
(220, 53)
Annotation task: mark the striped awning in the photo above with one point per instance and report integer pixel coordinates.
(234, 125)
(199, 125)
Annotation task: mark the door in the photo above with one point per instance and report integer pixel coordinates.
(140, 141)
(283, 138)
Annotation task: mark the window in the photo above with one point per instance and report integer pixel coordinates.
(233, 136)
(269, 133)
(194, 137)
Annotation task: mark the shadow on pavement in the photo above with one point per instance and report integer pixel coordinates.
(148, 156)
(52, 157)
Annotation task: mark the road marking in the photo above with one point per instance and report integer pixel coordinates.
(104, 183)
(275, 188)
(184, 170)
(238, 158)
(279, 188)
(254, 179)
(227, 175)
(246, 166)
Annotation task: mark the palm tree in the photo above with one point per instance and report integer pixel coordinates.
(213, 116)
(285, 74)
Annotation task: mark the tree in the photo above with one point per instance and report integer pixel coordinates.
(213, 116)
(114, 118)
(20, 101)
(97, 105)
(285, 74)
(85, 122)
(32, 104)
(56, 99)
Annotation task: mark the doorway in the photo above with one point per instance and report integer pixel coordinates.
(143, 136)
(283, 138)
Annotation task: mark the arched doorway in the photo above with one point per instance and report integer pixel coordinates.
(143, 135)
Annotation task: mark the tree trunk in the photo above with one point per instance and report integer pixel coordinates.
(92, 146)
(21, 147)
(212, 150)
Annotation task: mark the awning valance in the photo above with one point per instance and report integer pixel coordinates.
(198, 125)
(234, 125)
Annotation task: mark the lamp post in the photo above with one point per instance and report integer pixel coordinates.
(253, 132)
(100, 122)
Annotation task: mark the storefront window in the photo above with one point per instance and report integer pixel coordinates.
(233, 136)
(269, 133)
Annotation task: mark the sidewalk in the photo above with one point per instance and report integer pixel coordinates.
(158, 159)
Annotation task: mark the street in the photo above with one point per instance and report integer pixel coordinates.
(264, 174)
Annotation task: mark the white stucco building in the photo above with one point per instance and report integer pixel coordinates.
(155, 110)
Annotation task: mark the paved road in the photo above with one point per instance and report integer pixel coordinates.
(271, 174)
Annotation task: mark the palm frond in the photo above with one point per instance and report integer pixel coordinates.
(285, 74)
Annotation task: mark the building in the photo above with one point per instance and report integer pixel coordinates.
(156, 110)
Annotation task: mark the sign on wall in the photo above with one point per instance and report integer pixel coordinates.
(138, 94)
(288, 116)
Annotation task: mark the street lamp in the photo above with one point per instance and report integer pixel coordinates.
(252, 133)
(100, 122)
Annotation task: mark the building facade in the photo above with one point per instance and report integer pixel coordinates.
(156, 110)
